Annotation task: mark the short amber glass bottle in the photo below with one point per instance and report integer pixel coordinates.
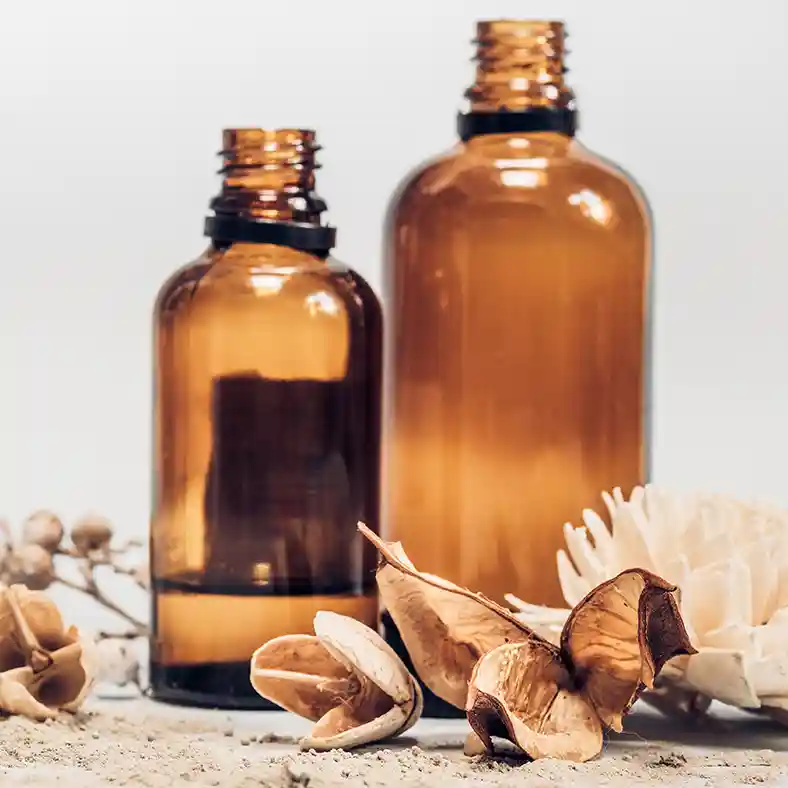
(266, 429)
(516, 297)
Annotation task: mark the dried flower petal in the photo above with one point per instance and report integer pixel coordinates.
(345, 678)
(445, 628)
(617, 639)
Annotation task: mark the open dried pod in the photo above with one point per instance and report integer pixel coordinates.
(44, 667)
(40, 694)
(554, 701)
(445, 628)
(345, 678)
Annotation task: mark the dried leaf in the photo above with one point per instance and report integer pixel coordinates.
(345, 678)
(445, 628)
(619, 636)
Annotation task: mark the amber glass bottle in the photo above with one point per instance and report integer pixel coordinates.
(516, 294)
(266, 429)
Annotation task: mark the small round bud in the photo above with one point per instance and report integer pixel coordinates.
(91, 533)
(32, 566)
(43, 528)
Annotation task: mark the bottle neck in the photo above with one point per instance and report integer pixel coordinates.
(519, 83)
(267, 194)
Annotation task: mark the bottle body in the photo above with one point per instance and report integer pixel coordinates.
(266, 444)
(516, 290)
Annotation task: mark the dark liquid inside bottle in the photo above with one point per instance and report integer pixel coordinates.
(280, 508)
(278, 503)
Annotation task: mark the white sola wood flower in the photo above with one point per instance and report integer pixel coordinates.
(730, 562)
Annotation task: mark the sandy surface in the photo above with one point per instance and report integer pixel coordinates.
(139, 743)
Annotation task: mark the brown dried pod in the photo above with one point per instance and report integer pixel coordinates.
(445, 628)
(548, 700)
(553, 701)
(44, 667)
(345, 678)
(91, 534)
(43, 528)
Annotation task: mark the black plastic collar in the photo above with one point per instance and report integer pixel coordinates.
(304, 237)
(475, 124)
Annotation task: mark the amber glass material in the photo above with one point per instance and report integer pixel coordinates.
(266, 436)
(516, 289)
(519, 67)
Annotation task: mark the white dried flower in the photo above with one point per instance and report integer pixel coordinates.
(730, 562)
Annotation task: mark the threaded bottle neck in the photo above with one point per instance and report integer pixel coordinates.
(520, 82)
(267, 193)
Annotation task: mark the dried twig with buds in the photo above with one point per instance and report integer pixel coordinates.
(31, 560)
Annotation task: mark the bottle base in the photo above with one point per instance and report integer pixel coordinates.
(434, 707)
(222, 685)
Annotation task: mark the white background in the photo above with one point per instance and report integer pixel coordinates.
(111, 115)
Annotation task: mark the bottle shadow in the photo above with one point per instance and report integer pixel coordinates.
(721, 728)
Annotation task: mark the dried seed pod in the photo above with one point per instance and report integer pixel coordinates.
(554, 702)
(445, 628)
(523, 693)
(44, 667)
(43, 528)
(40, 694)
(32, 566)
(549, 700)
(92, 533)
(345, 678)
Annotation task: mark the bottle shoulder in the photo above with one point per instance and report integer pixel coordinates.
(357, 284)
(517, 168)
(265, 276)
(183, 282)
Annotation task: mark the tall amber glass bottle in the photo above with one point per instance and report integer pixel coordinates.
(266, 429)
(516, 294)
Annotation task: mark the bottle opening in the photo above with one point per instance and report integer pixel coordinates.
(519, 83)
(268, 191)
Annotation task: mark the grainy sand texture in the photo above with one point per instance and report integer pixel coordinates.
(138, 743)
